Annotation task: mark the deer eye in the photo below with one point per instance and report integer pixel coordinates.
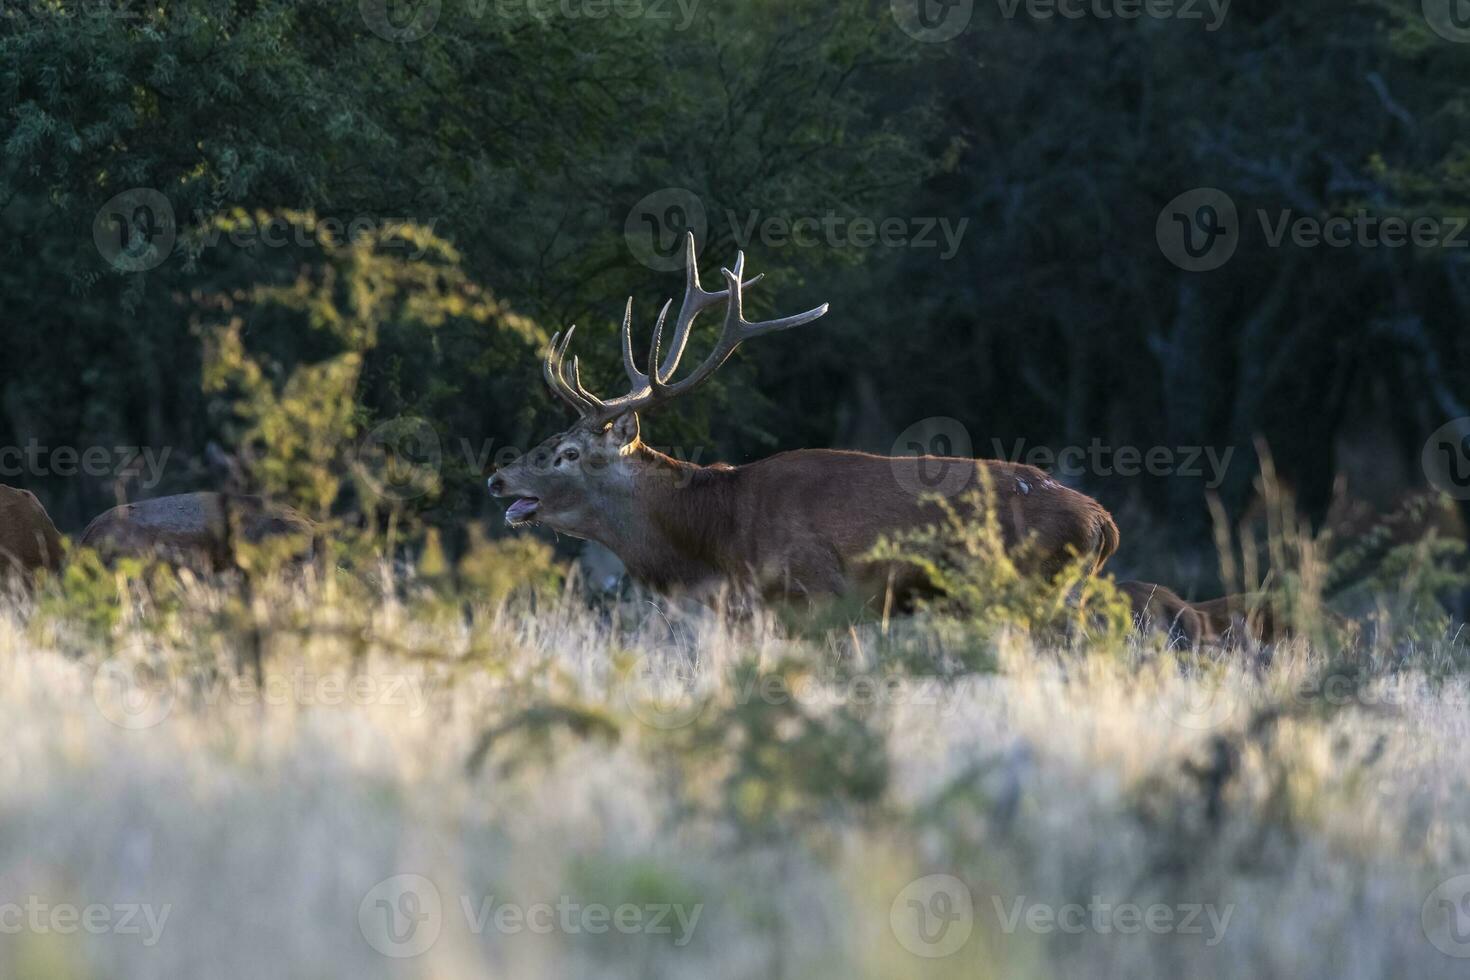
(569, 455)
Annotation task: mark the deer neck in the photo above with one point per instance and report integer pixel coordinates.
(678, 520)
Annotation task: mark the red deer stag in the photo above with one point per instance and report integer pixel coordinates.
(28, 539)
(797, 523)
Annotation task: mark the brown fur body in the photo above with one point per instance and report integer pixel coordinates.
(28, 539)
(1226, 620)
(799, 522)
(194, 529)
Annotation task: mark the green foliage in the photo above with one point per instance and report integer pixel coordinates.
(787, 763)
(646, 880)
(981, 583)
(98, 599)
(494, 569)
(88, 593)
(525, 141)
(531, 734)
(1404, 569)
(295, 422)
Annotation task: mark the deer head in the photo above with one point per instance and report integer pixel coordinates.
(582, 481)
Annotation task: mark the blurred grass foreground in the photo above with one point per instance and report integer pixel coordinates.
(378, 773)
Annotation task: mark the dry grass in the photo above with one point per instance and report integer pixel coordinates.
(759, 778)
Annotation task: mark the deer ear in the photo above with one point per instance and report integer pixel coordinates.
(623, 429)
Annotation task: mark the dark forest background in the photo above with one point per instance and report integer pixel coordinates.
(531, 146)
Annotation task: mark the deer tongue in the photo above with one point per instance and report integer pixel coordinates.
(521, 510)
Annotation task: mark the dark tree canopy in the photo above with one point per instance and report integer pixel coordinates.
(983, 214)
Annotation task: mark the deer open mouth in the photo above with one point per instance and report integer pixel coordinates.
(522, 510)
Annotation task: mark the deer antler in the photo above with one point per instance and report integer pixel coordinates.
(656, 384)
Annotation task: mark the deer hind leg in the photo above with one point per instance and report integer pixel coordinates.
(811, 570)
(1158, 608)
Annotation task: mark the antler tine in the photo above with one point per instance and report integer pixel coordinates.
(567, 385)
(548, 373)
(736, 330)
(596, 405)
(747, 330)
(551, 370)
(630, 365)
(652, 377)
(696, 300)
(552, 374)
(655, 385)
(750, 331)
